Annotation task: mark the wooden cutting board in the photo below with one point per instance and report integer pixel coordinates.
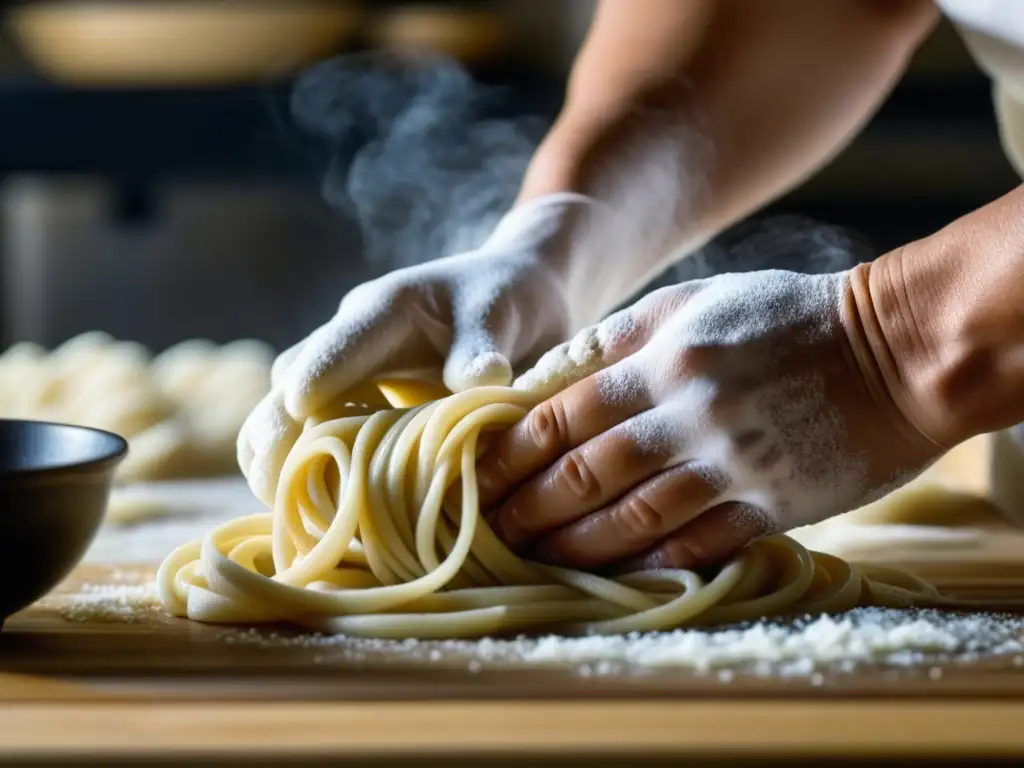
(162, 684)
(158, 685)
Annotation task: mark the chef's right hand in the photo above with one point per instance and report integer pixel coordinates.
(477, 314)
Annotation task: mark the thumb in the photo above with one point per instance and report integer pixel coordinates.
(596, 347)
(475, 358)
(592, 349)
(263, 444)
(281, 364)
(356, 344)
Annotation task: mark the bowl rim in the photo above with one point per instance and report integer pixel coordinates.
(102, 461)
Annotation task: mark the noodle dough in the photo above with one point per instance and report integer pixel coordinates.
(180, 412)
(376, 531)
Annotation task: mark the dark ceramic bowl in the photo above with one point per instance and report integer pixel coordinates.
(55, 481)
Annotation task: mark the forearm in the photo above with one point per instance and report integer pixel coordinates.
(686, 117)
(943, 322)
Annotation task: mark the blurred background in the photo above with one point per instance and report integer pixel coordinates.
(156, 184)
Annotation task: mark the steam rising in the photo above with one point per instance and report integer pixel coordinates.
(794, 243)
(419, 154)
(422, 158)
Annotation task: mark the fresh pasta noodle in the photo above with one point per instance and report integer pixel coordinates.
(376, 531)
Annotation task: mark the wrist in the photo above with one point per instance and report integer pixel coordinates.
(568, 234)
(926, 319)
(894, 355)
(642, 164)
(546, 226)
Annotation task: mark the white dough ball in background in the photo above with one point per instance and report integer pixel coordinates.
(180, 411)
(159, 452)
(179, 368)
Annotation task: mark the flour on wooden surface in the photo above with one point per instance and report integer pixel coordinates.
(802, 648)
(111, 603)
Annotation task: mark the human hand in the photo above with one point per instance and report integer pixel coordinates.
(712, 413)
(478, 314)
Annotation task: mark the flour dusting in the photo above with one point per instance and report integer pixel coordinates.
(111, 603)
(809, 647)
(263, 444)
(803, 648)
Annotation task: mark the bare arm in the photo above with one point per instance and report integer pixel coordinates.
(941, 320)
(694, 114)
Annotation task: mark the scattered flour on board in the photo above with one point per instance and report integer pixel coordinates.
(801, 648)
(111, 603)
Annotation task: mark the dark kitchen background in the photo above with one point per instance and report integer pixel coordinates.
(155, 185)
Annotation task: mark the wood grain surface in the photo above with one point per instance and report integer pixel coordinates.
(177, 659)
(158, 686)
(580, 729)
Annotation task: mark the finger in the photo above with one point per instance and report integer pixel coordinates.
(476, 357)
(283, 362)
(588, 389)
(264, 441)
(357, 343)
(711, 539)
(244, 452)
(635, 523)
(597, 347)
(588, 478)
(556, 426)
(593, 349)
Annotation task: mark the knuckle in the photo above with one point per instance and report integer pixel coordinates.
(750, 520)
(573, 474)
(380, 295)
(749, 438)
(660, 306)
(405, 291)
(360, 295)
(692, 360)
(638, 518)
(658, 302)
(547, 426)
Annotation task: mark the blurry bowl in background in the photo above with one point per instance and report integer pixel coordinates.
(178, 43)
(468, 35)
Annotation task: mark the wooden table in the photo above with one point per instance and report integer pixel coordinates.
(166, 688)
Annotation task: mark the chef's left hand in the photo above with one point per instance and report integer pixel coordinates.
(722, 410)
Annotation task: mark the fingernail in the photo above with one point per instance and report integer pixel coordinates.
(485, 481)
(491, 481)
(505, 530)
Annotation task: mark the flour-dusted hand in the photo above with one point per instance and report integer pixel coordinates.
(477, 314)
(722, 410)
